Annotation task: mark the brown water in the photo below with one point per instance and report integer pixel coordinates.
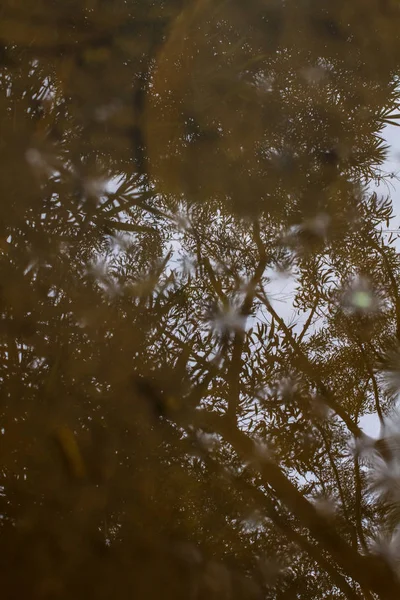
(200, 300)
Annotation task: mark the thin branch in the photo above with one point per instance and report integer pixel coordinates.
(394, 285)
(216, 284)
(359, 526)
(309, 320)
(374, 383)
(339, 485)
(308, 368)
(235, 366)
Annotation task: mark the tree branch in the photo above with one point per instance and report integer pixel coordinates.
(369, 571)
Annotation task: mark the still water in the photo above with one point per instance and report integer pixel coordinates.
(200, 303)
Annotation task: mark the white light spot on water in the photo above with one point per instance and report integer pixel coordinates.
(313, 75)
(35, 158)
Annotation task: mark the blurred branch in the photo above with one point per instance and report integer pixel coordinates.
(131, 227)
(267, 508)
(303, 543)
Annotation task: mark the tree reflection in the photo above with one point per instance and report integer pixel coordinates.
(166, 429)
